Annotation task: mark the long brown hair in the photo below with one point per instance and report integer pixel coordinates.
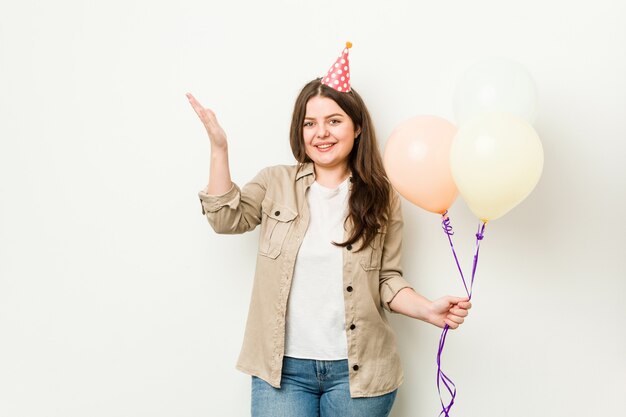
(369, 203)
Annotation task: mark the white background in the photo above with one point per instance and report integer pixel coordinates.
(116, 297)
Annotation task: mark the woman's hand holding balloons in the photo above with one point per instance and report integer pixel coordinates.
(445, 310)
(449, 310)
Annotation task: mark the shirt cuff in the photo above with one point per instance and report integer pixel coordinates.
(212, 203)
(390, 288)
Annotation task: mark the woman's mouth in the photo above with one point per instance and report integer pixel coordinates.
(324, 147)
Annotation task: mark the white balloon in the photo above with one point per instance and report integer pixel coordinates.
(496, 161)
(495, 84)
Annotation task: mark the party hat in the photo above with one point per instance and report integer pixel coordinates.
(338, 76)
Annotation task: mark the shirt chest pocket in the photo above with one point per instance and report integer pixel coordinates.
(276, 221)
(371, 258)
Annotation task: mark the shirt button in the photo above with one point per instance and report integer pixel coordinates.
(349, 247)
(352, 327)
(355, 367)
(277, 213)
(349, 288)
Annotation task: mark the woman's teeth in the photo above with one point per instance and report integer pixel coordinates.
(325, 146)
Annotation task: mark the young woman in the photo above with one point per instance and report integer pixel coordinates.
(317, 341)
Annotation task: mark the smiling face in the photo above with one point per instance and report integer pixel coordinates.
(328, 133)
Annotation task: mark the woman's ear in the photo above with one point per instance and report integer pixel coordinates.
(357, 132)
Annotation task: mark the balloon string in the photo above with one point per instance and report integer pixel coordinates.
(442, 378)
(447, 228)
(479, 236)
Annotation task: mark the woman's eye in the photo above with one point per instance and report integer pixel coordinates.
(308, 124)
(335, 122)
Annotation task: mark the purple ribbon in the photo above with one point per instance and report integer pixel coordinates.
(442, 378)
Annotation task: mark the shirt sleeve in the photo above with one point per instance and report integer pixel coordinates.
(237, 210)
(391, 280)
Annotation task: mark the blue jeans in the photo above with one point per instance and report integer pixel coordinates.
(311, 388)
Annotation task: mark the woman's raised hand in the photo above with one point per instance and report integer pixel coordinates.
(219, 172)
(208, 119)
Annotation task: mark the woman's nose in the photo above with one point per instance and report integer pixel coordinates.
(322, 131)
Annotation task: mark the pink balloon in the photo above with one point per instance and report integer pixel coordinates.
(417, 161)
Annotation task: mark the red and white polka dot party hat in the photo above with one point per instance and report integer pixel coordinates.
(338, 76)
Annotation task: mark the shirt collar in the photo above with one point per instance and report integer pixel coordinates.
(306, 169)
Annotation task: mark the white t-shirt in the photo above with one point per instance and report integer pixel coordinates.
(315, 311)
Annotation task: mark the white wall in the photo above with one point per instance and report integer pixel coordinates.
(116, 297)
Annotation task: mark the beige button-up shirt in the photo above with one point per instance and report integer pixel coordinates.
(372, 277)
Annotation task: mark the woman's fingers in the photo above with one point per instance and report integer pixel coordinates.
(206, 115)
(194, 103)
(209, 120)
(451, 324)
(455, 319)
(459, 311)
